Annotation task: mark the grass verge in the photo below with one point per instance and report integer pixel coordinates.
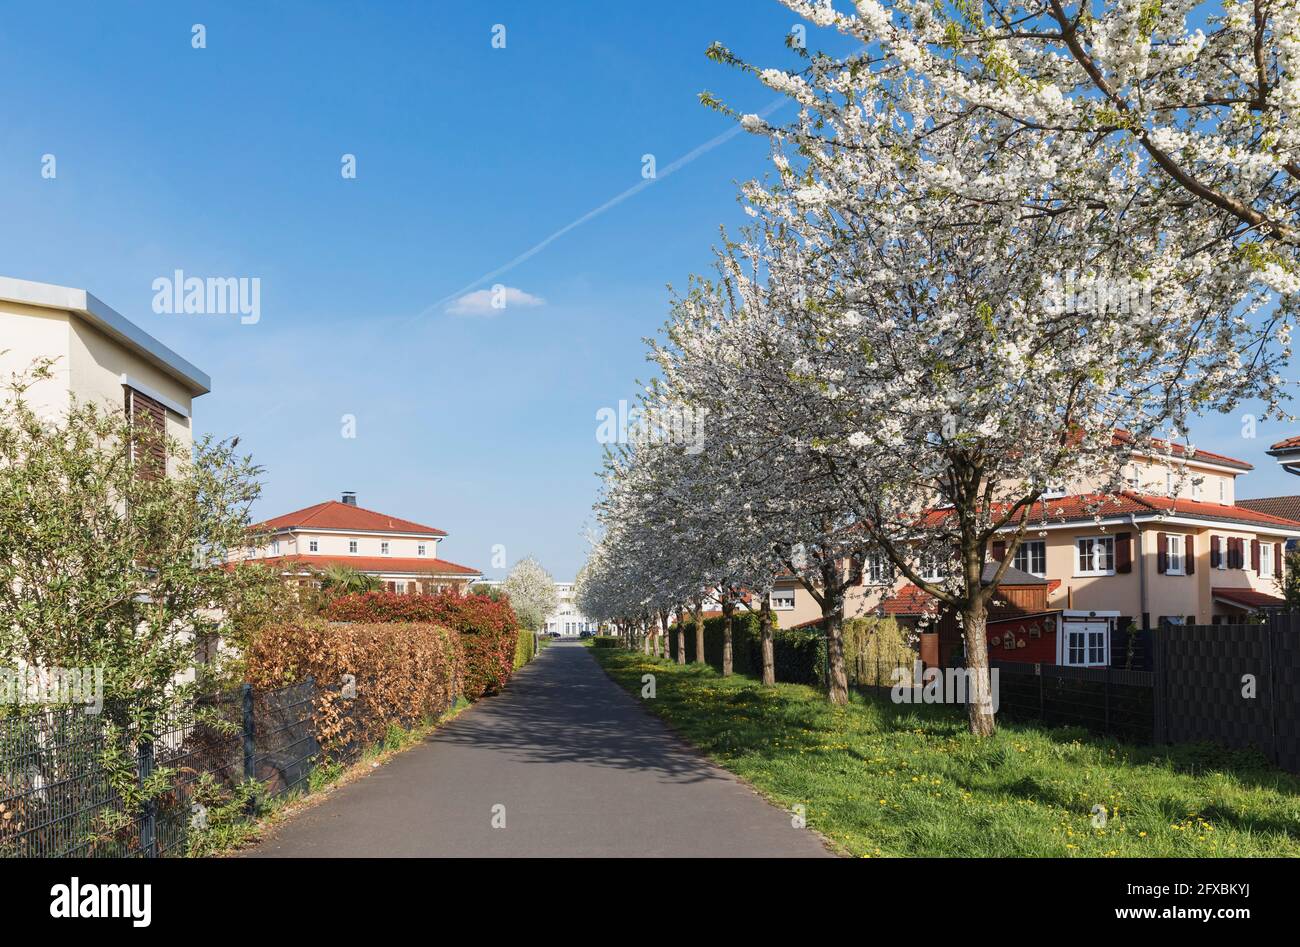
(878, 778)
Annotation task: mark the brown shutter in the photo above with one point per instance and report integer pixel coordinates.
(148, 422)
(1214, 552)
(1189, 555)
(1162, 552)
(1254, 555)
(1123, 552)
(999, 550)
(1277, 560)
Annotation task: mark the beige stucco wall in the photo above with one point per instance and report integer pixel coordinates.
(335, 544)
(88, 364)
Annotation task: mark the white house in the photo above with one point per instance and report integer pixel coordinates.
(99, 357)
(402, 554)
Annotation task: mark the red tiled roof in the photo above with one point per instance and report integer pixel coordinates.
(1290, 443)
(387, 564)
(335, 515)
(1286, 507)
(1086, 506)
(1179, 450)
(909, 600)
(1248, 598)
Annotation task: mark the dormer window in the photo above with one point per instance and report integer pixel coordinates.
(1052, 491)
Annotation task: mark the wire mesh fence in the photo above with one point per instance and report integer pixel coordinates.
(58, 797)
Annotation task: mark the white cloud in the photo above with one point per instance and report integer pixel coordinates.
(489, 302)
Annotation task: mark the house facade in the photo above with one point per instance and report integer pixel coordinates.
(401, 554)
(98, 357)
(1175, 547)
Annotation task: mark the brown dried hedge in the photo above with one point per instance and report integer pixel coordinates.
(404, 673)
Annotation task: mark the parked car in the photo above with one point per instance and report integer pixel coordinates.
(587, 634)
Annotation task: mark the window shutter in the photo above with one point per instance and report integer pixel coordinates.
(1254, 555)
(1189, 555)
(1123, 552)
(999, 550)
(148, 447)
(1162, 552)
(1214, 552)
(1277, 560)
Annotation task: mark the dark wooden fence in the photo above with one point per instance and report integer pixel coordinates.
(1234, 685)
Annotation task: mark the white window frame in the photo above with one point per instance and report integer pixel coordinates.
(780, 604)
(352, 546)
(1105, 541)
(1265, 560)
(419, 550)
(1180, 541)
(880, 571)
(1169, 483)
(1089, 632)
(1024, 549)
(931, 567)
(275, 547)
(383, 548)
(1222, 491)
(313, 545)
(1053, 492)
(1196, 487)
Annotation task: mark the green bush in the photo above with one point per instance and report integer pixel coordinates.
(525, 648)
(873, 648)
(606, 641)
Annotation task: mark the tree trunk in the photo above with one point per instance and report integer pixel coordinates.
(699, 633)
(645, 641)
(979, 696)
(728, 610)
(681, 636)
(765, 638)
(837, 683)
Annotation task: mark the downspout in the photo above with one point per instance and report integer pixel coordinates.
(1142, 572)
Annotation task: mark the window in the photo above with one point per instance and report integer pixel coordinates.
(419, 550)
(1054, 490)
(1096, 555)
(399, 588)
(1031, 557)
(1087, 644)
(275, 547)
(1133, 480)
(352, 545)
(1176, 562)
(880, 571)
(783, 599)
(1266, 560)
(1169, 483)
(313, 546)
(931, 567)
(148, 421)
(383, 549)
(1222, 490)
(1196, 487)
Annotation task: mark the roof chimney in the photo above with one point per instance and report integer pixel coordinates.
(350, 497)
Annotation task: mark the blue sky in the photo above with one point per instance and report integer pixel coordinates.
(225, 161)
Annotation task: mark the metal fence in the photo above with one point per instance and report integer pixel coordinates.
(57, 800)
(1105, 700)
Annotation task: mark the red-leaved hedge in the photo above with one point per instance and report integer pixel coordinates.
(487, 628)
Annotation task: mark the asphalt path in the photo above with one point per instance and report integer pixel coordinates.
(563, 763)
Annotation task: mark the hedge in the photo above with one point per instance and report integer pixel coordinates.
(873, 648)
(606, 641)
(525, 648)
(488, 629)
(799, 656)
(404, 673)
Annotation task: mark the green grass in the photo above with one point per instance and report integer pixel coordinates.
(883, 779)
